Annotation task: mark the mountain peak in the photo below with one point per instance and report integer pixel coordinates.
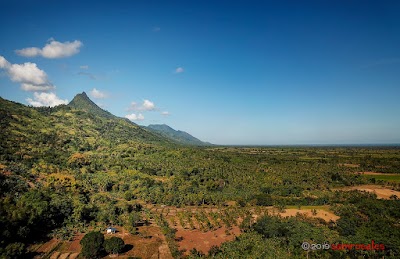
(81, 99)
(82, 95)
(83, 102)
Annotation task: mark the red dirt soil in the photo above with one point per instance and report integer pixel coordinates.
(203, 241)
(74, 245)
(48, 246)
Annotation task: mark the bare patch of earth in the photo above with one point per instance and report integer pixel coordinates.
(203, 241)
(323, 214)
(381, 192)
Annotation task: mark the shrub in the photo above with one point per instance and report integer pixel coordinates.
(214, 250)
(92, 244)
(13, 250)
(114, 245)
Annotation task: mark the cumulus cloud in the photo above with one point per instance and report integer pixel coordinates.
(84, 67)
(28, 74)
(179, 70)
(4, 63)
(36, 88)
(53, 49)
(134, 117)
(97, 94)
(45, 99)
(147, 105)
(29, 52)
(165, 113)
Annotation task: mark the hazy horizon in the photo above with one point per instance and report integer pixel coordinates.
(229, 73)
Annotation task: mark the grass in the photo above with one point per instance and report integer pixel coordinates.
(384, 177)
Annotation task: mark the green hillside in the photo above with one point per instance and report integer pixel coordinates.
(176, 135)
(55, 133)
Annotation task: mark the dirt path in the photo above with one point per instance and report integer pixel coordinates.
(380, 191)
(323, 214)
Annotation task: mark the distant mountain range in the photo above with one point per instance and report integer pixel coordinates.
(176, 135)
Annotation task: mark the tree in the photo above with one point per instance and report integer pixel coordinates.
(196, 253)
(13, 250)
(78, 160)
(114, 245)
(92, 244)
(214, 250)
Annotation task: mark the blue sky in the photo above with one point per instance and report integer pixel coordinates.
(228, 72)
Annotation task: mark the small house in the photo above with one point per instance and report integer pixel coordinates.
(111, 230)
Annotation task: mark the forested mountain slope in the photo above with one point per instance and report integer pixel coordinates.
(177, 135)
(53, 134)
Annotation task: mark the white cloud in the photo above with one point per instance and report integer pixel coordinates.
(45, 99)
(145, 106)
(29, 52)
(84, 67)
(134, 117)
(53, 49)
(148, 105)
(36, 88)
(4, 63)
(165, 113)
(156, 29)
(133, 106)
(28, 74)
(179, 70)
(98, 94)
